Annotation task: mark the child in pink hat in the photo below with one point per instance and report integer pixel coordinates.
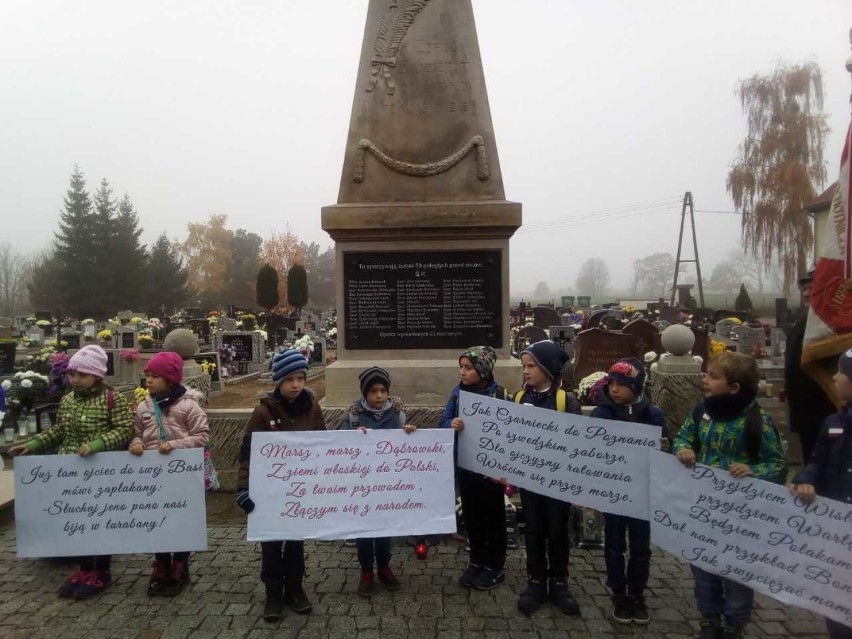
(168, 418)
(92, 418)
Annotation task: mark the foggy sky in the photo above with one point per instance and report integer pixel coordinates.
(242, 108)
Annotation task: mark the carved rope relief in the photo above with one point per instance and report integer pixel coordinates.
(389, 40)
(424, 170)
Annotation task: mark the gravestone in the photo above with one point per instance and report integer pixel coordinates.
(73, 340)
(748, 338)
(671, 314)
(7, 358)
(6, 327)
(123, 337)
(544, 317)
(318, 354)
(421, 225)
(597, 350)
(216, 381)
(777, 341)
(645, 332)
(226, 324)
(661, 325)
(528, 335)
(584, 301)
(724, 327)
(200, 327)
(568, 301)
(564, 337)
(90, 332)
(36, 335)
(248, 346)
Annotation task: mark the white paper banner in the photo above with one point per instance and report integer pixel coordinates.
(110, 503)
(754, 532)
(347, 484)
(597, 463)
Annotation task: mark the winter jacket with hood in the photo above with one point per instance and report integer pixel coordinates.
(184, 421)
(641, 411)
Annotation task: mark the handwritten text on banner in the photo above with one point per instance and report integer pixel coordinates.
(754, 532)
(591, 462)
(347, 484)
(110, 503)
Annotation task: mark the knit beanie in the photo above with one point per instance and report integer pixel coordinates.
(168, 365)
(91, 359)
(286, 362)
(372, 376)
(549, 357)
(629, 372)
(845, 363)
(483, 359)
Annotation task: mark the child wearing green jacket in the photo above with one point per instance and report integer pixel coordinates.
(730, 431)
(92, 418)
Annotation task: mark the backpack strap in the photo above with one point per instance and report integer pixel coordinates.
(754, 417)
(110, 399)
(500, 393)
(561, 400)
(697, 416)
(519, 396)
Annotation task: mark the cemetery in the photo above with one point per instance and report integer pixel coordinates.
(419, 265)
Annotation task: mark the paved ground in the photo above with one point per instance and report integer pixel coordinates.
(226, 599)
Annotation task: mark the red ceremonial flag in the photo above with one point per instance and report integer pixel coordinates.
(829, 328)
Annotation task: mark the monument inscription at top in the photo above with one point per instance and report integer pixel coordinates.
(423, 299)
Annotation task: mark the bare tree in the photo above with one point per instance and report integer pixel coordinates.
(654, 274)
(15, 273)
(593, 278)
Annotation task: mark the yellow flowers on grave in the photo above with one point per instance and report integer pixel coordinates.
(104, 334)
(734, 320)
(629, 309)
(717, 346)
(136, 320)
(146, 340)
(207, 367)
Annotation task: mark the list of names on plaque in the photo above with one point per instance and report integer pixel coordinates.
(423, 299)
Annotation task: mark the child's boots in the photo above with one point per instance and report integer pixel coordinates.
(159, 575)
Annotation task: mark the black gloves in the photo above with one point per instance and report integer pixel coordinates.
(245, 502)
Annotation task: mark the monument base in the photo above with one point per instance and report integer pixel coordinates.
(419, 382)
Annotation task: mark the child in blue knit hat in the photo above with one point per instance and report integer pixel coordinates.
(290, 407)
(376, 409)
(624, 399)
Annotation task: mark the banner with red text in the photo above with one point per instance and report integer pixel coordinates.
(754, 532)
(349, 484)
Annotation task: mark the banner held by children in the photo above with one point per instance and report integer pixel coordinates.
(110, 503)
(597, 463)
(754, 532)
(349, 484)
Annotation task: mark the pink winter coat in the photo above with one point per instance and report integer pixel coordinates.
(185, 423)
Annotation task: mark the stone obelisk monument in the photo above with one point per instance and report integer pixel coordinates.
(421, 224)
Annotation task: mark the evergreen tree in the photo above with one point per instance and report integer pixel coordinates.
(102, 294)
(166, 277)
(128, 259)
(297, 287)
(743, 302)
(75, 264)
(267, 287)
(245, 260)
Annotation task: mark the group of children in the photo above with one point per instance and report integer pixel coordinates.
(94, 418)
(727, 430)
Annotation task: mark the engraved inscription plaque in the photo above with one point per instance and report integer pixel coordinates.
(423, 299)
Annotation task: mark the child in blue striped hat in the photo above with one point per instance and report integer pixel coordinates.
(290, 407)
